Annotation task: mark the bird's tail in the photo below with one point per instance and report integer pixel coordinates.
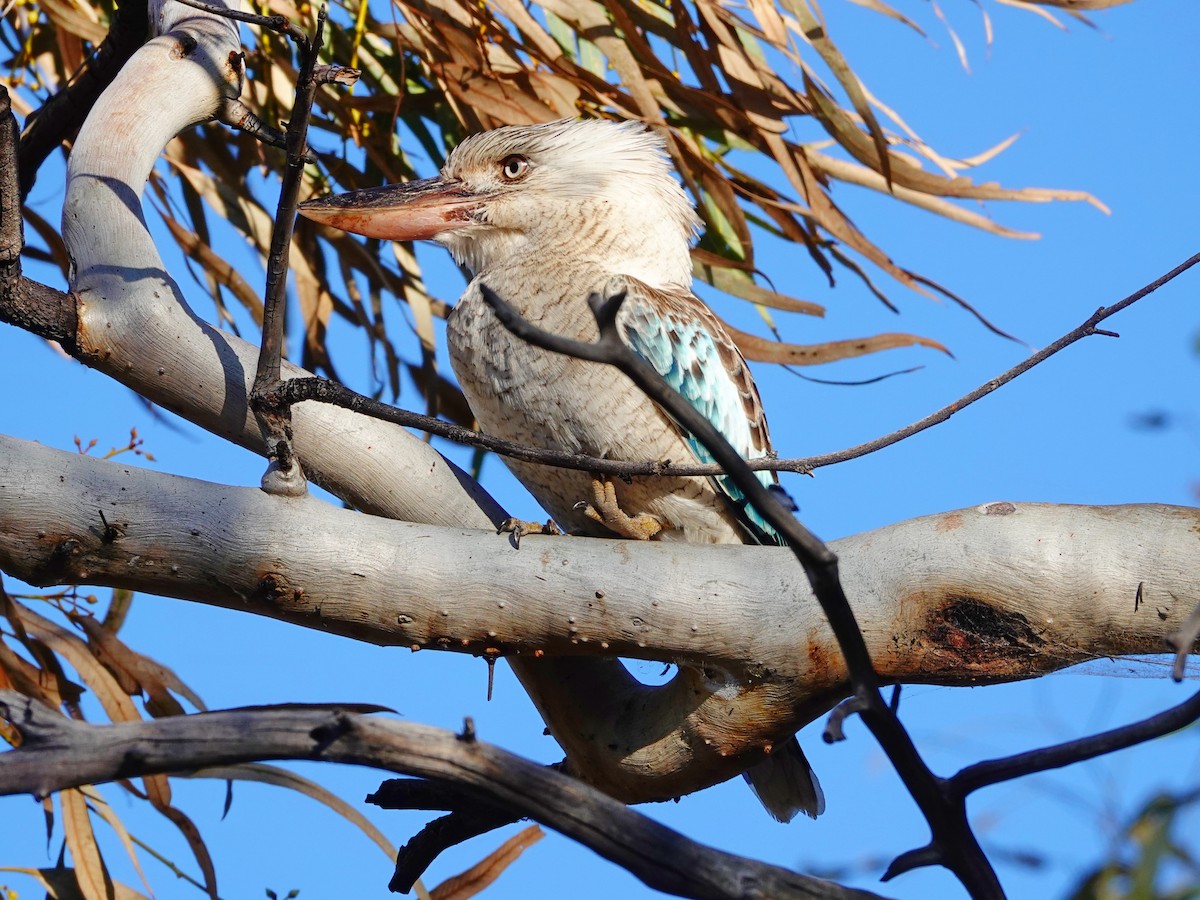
(785, 784)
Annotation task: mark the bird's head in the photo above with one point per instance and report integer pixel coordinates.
(525, 195)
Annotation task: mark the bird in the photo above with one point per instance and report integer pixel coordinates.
(545, 215)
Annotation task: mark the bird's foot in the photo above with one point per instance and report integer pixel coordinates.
(605, 510)
(518, 528)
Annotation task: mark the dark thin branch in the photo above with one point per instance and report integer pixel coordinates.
(1087, 329)
(62, 114)
(278, 24)
(958, 850)
(28, 304)
(423, 794)
(994, 771)
(321, 390)
(57, 752)
(284, 474)
(415, 857)
(468, 818)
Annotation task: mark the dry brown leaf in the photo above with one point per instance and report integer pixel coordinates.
(760, 349)
(739, 284)
(959, 48)
(479, 876)
(884, 9)
(82, 22)
(135, 672)
(199, 849)
(32, 681)
(819, 39)
(117, 704)
(102, 808)
(910, 176)
(1036, 10)
(215, 266)
(90, 871)
(852, 173)
(61, 884)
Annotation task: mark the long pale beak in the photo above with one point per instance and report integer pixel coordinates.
(411, 211)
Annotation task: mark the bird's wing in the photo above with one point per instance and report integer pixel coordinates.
(688, 346)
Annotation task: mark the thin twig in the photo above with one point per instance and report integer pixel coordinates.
(954, 844)
(284, 474)
(1087, 329)
(278, 24)
(318, 389)
(469, 817)
(994, 771)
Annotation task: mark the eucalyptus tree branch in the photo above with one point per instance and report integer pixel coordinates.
(57, 752)
(976, 596)
(953, 842)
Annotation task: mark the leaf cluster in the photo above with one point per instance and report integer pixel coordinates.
(767, 118)
(56, 648)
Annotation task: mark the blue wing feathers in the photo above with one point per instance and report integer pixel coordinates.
(679, 341)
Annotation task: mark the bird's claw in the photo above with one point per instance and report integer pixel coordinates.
(518, 528)
(605, 509)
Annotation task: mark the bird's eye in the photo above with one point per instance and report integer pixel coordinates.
(514, 168)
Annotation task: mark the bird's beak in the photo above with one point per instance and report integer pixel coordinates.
(412, 211)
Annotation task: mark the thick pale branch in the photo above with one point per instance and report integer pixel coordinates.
(135, 325)
(994, 593)
(58, 752)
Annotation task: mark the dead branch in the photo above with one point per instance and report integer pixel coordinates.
(57, 752)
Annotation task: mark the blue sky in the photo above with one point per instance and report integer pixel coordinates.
(1104, 110)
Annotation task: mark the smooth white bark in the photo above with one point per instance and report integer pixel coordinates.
(986, 594)
(135, 325)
